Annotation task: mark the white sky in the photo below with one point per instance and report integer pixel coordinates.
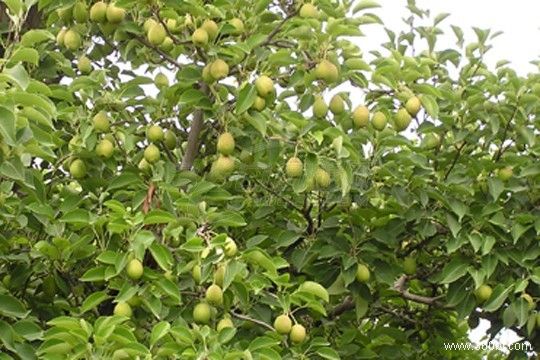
(518, 19)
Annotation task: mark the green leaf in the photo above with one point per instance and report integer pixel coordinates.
(162, 255)
(496, 187)
(365, 4)
(453, 271)
(30, 56)
(159, 331)
(245, 99)
(227, 218)
(7, 126)
(328, 353)
(11, 307)
(158, 217)
(93, 301)
(499, 295)
(78, 216)
(431, 106)
(33, 37)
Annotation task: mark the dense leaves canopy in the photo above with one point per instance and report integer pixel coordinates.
(177, 178)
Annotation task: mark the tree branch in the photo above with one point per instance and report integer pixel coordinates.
(192, 149)
(247, 318)
(346, 305)
(163, 54)
(401, 287)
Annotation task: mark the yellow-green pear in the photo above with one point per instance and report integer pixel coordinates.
(378, 121)
(264, 86)
(211, 28)
(151, 154)
(219, 69)
(413, 106)
(225, 144)
(294, 167)
(360, 116)
(327, 71)
(337, 105)
(320, 109)
(156, 34)
(402, 120)
(115, 14)
(135, 269)
(98, 12)
(283, 324)
(199, 37)
(105, 148)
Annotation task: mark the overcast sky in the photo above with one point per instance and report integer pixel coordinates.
(518, 19)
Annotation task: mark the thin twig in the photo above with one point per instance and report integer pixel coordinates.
(401, 287)
(247, 318)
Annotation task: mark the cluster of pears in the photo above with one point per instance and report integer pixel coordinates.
(294, 168)
(156, 34)
(215, 71)
(101, 12)
(265, 88)
(224, 164)
(283, 325)
(156, 135)
(134, 271)
(208, 31)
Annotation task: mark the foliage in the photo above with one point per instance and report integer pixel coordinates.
(392, 230)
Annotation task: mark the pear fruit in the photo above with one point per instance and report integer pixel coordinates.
(320, 109)
(202, 313)
(156, 34)
(378, 121)
(219, 69)
(238, 25)
(199, 37)
(219, 275)
(105, 148)
(413, 106)
(123, 309)
(230, 247)
(77, 169)
(223, 166)
(60, 37)
(362, 273)
(148, 25)
(84, 65)
(309, 11)
(161, 81)
(360, 116)
(297, 334)
(505, 173)
(483, 293)
(155, 134)
(151, 154)
(167, 44)
(115, 14)
(224, 323)
(214, 295)
(211, 28)
(101, 122)
(322, 178)
(196, 273)
(72, 40)
(337, 105)
(409, 265)
(98, 12)
(170, 140)
(259, 103)
(403, 119)
(283, 324)
(431, 141)
(326, 71)
(294, 167)
(264, 86)
(135, 269)
(225, 144)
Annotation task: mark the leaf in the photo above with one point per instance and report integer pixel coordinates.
(158, 217)
(93, 301)
(32, 37)
(328, 353)
(227, 218)
(30, 56)
(245, 98)
(315, 289)
(258, 121)
(11, 307)
(431, 106)
(499, 295)
(365, 4)
(7, 126)
(521, 310)
(453, 271)
(78, 216)
(159, 331)
(162, 255)
(170, 288)
(496, 187)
